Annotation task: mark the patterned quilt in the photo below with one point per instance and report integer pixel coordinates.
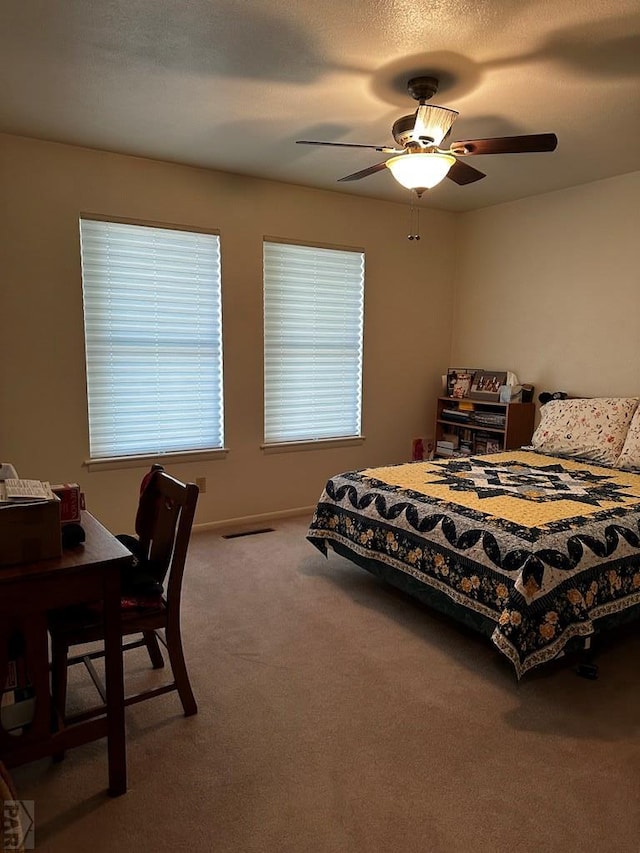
(543, 548)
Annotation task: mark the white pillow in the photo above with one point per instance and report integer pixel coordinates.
(630, 455)
(593, 429)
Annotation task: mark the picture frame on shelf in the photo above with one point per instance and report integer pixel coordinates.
(486, 384)
(494, 445)
(459, 379)
(462, 386)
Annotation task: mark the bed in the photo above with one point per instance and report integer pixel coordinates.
(537, 548)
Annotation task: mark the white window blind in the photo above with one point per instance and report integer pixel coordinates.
(313, 324)
(153, 323)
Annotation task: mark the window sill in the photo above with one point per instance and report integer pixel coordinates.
(317, 444)
(163, 458)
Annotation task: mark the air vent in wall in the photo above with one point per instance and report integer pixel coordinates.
(248, 533)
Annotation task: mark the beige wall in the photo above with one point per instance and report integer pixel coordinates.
(549, 287)
(43, 424)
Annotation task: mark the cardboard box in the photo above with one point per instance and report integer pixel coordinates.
(29, 532)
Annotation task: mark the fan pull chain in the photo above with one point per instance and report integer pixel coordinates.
(414, 220)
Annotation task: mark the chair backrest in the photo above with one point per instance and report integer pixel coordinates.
(163, 523)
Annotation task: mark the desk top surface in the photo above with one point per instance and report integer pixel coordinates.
(99, 547)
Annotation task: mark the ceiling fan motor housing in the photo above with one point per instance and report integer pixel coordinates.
(422, 88)
(402, 130)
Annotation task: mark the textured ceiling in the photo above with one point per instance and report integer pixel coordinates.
(231, 84)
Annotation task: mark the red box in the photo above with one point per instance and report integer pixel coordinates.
(70, 502)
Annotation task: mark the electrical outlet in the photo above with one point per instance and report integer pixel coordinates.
(201, 483)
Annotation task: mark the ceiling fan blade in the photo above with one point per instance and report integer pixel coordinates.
(532, 143)
(364, 173)
(385, 149)
(462, 173)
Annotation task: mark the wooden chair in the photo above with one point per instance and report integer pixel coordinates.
(163, 524)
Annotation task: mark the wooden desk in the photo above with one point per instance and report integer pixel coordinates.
(90, 572)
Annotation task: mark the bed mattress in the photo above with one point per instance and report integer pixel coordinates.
(533, 550)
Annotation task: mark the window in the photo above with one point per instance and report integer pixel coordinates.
(152, 315)
(313, 322)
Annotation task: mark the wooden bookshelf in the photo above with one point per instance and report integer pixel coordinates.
(479, 426)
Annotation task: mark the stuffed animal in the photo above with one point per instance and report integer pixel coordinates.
(545, 396)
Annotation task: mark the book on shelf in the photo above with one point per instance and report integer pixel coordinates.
(450, 439)
(455, 415)
(480, 443)
(444, 451)
(490, 419)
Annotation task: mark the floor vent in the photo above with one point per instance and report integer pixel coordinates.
(248, 533)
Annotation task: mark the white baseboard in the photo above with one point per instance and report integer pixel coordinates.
(249, 521)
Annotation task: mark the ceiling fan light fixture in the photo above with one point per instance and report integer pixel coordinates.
(433, 123)
(420, 171)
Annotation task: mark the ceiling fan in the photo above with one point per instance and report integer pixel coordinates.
(420, 163)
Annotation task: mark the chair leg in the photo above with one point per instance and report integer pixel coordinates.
(59, 675)
(151, 640)
(179, 667)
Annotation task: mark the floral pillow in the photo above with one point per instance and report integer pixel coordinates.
(593, 429)
(630, 456)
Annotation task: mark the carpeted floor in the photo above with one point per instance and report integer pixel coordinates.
(338, 715)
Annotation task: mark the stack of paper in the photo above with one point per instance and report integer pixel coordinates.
(20, 491)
